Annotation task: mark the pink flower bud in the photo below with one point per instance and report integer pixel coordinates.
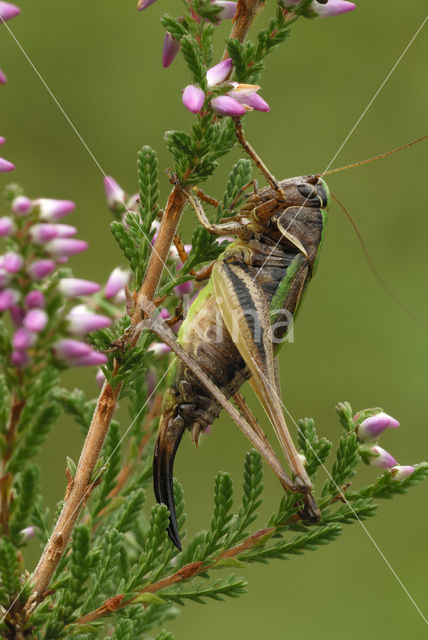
(2, 140)
(400, 473)
(218, 73)
(159, 348)
(8, 298)
(22, 205)
(41, 233)
(52, 210)
(5, 165)
(34, 299)
(19, 358)
(39, 269)
(373, 426)
(60, 247)
(185, 287)
(116, 281)
(23, 339)
(11, 261)
(227, 106)
(193, 98)
(69, 349)
(6, 226)
(93, 359)
(100, 378)
(65, 230)
(114, 192)
(8, 11)
(28, 533)
(35, 320)
(171, 47)
(382, 458)
(143, 4)
(17, 315)
(74, 287)
(164, 314)
(331, 8)
(81, 321)
(3, 78)
(228, 9)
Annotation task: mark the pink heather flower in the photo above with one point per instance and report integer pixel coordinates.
(246, 94)
(6, 226)
(82, 321)
(5, 165)
(60, 247)
(19, 358)
(400, 473)
(69, 349)
(227, 106)
(74, 287)
(114, 192)
(34, 299)
(65, 230)
(120, 297)
(116, 281)
(17, 315)
(373, 426)
(332, 8)
(35, 320)
(52, 210)
(28, 533)
(143, 4)
(100, 378)
(11, 261)
(171, 47)
(41, 233)
(39, 269)
(92, 359)
(164, 314)
(193, 98)
(2, 140)
(185, 287)
(382, 458)
(3, 78)
(21, 205)
(23, 339)
(159, 348)
(8, 11)
(218, 73)
(8, 298)
(228, 9)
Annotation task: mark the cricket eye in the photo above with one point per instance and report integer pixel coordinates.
(307, 190)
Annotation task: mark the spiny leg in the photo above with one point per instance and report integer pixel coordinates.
(259, 162)
(225, 229)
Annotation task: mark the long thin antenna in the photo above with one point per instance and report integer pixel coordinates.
(382, 155)
(375, 272)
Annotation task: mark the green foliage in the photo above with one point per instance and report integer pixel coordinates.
(27, 488)
(239, 178)
(193, 57)
(9, 572)
(36, 433)
(315, 450)
(346, 461)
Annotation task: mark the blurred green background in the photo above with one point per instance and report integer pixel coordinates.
(101, 60)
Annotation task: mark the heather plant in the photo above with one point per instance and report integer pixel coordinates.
(108, 567)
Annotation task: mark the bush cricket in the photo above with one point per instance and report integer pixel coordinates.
(228, 333)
